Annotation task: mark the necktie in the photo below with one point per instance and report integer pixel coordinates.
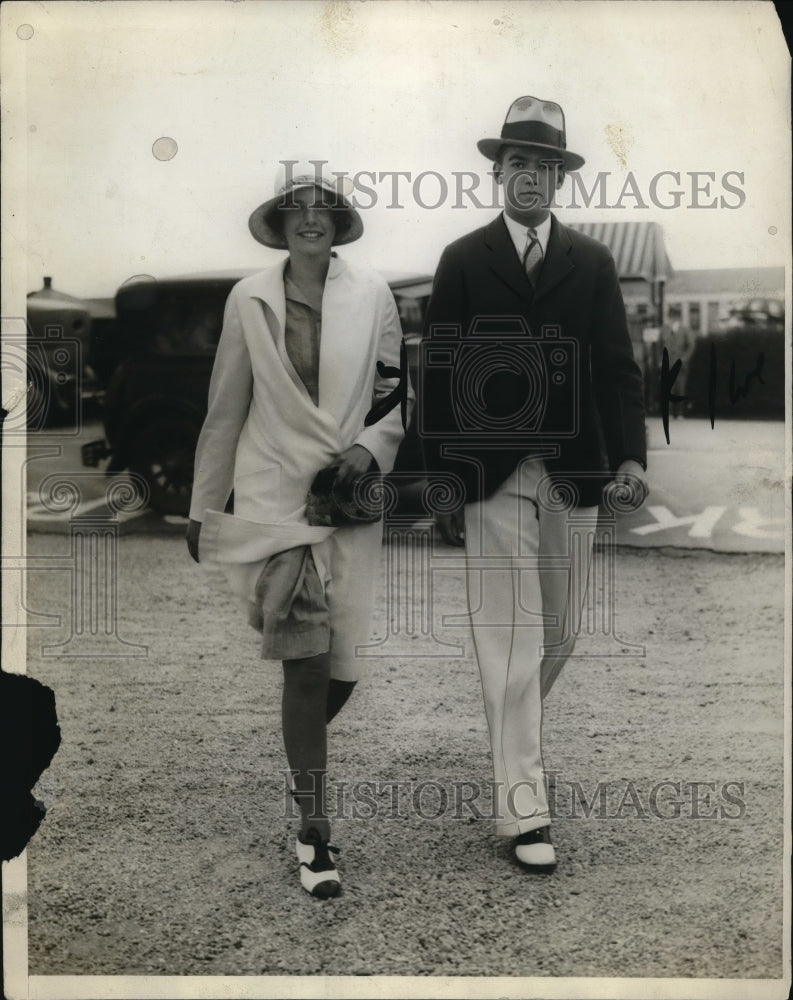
(532, 256)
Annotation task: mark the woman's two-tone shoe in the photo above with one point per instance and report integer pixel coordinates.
(318, 874)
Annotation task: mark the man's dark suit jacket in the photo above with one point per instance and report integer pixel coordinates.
(574, 393)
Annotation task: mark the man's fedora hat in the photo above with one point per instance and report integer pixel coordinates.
(536, 123)
(291, 176)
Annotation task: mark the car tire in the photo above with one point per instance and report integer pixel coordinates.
(162, 452)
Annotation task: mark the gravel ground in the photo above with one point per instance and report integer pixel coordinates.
(165, 849)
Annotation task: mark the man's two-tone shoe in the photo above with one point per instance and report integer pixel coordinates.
(535, 852)
(318, 874)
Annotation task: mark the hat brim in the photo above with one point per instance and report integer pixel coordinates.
(492, 147)
(262, 230)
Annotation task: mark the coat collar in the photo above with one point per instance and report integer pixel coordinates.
(269, 285)
(504, 261)
(336, 383)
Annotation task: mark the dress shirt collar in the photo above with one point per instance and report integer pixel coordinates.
(518, 233)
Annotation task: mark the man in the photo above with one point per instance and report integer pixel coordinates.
(531, 400)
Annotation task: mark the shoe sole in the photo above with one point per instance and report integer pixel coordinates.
(537, 869)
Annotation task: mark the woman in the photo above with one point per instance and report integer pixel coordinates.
(295, 376)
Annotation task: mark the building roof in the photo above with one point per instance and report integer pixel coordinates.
(742, 282)
(637, 247)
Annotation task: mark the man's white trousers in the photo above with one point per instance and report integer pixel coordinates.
(528, 558)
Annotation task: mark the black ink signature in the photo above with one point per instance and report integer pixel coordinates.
(736, 392)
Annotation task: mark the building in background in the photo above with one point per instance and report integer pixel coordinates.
(742, 309)
(643, 267)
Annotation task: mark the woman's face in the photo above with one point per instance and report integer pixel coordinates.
(309, 228)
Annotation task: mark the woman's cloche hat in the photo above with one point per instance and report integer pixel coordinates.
(291, 176)
(535, 123)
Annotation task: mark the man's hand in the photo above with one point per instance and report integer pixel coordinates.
(192, 534)
(452, 527)
(353, 463)
(630, 484)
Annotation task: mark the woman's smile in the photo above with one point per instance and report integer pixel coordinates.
(309, 222)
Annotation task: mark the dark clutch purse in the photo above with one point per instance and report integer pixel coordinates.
(329, 504)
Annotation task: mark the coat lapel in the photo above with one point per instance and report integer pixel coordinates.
(339, 356)
(504, 260)
(505, 263)
(557, 263)
(269, 287)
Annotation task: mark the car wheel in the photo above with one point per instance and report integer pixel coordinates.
(162, 452)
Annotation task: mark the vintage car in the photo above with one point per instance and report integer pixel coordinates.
(59, 377)
(161, 354)
(738, 373)
(760, 312)
(63, 385)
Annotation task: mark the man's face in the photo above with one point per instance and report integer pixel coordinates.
(530, 177)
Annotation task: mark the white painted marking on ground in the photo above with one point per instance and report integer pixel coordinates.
(702, 525)
(752, 524)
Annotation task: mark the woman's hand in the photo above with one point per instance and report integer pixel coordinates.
(353, 463)
(191, 536)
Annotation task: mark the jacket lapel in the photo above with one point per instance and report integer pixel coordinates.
(268, 286)
(339, 354)
(266, 314)
(557, 263)
(504, 260)
(336, 375)
(505, 263)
